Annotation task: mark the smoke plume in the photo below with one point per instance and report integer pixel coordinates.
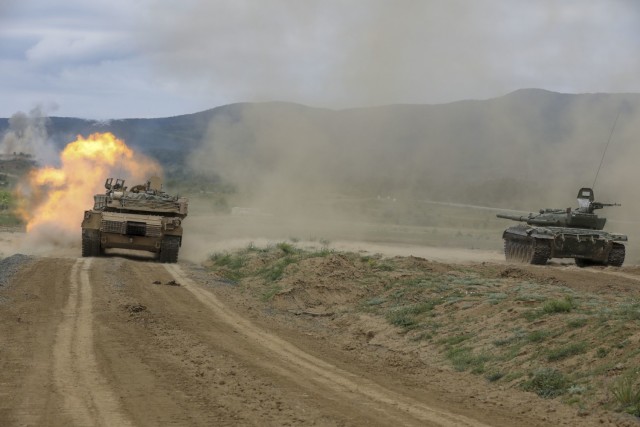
(27, 135)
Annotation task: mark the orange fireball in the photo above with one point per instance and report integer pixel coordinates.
(56, 198)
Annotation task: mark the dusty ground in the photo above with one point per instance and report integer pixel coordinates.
(121, 340)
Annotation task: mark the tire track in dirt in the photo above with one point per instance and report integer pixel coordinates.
(296, 362)
(88, 399)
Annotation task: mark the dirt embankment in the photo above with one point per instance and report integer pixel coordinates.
(554, 335)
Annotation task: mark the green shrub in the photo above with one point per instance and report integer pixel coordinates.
(407, 317)
(546, 382)
(276, 271)
(463, 358)
(537, 336)
(559, 306)
(402, 318)
(6, 200)
(287, 248)
(234, 262)
(627, 394)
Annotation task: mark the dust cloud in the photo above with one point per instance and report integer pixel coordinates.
(377, 52)
(27, 135)
(526, 151)
(494, 153)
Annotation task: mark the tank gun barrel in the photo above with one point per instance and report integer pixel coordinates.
(513, 217)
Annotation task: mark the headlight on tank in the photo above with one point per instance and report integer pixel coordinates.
(176, 222)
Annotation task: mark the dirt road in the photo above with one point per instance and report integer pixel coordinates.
(123, 341)
(96, 342)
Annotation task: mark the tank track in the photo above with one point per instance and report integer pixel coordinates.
(529, 251)
(615, 259)
(616, 256)
(169, 249)
(91, 243)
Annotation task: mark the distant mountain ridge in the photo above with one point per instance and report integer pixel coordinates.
(527, 136)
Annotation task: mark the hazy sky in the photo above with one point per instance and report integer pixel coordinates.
(153, 58)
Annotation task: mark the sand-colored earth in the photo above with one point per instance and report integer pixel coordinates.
(122, 340)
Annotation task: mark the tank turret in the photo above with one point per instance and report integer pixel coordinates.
(565, 233)
(582, 217)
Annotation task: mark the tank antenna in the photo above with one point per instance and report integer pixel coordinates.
(605, 149)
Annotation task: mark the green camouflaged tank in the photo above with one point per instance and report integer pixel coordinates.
(565, 233)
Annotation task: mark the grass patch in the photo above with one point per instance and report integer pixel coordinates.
(276, 271)
(228, 265)
(408, 317)
(630, 311)
(270, 293)
(559, 306)
(455, 340)
(532, 315)
(10, 220)
(321, 253)
(496, 297)
(546, 382)
(494, 376)
(537, 336)
(375, 301)
(502, 342)
(385, 267)
(287, 248)
(463, 358)
(577, 323)
(567, 351)
(627, 394)
(225, 259)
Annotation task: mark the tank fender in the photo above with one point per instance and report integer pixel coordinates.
(618, 237)
(527, 232)
(542, 235)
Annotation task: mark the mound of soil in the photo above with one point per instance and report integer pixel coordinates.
(565, 334)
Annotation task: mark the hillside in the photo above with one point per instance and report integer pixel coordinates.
(492, 152)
